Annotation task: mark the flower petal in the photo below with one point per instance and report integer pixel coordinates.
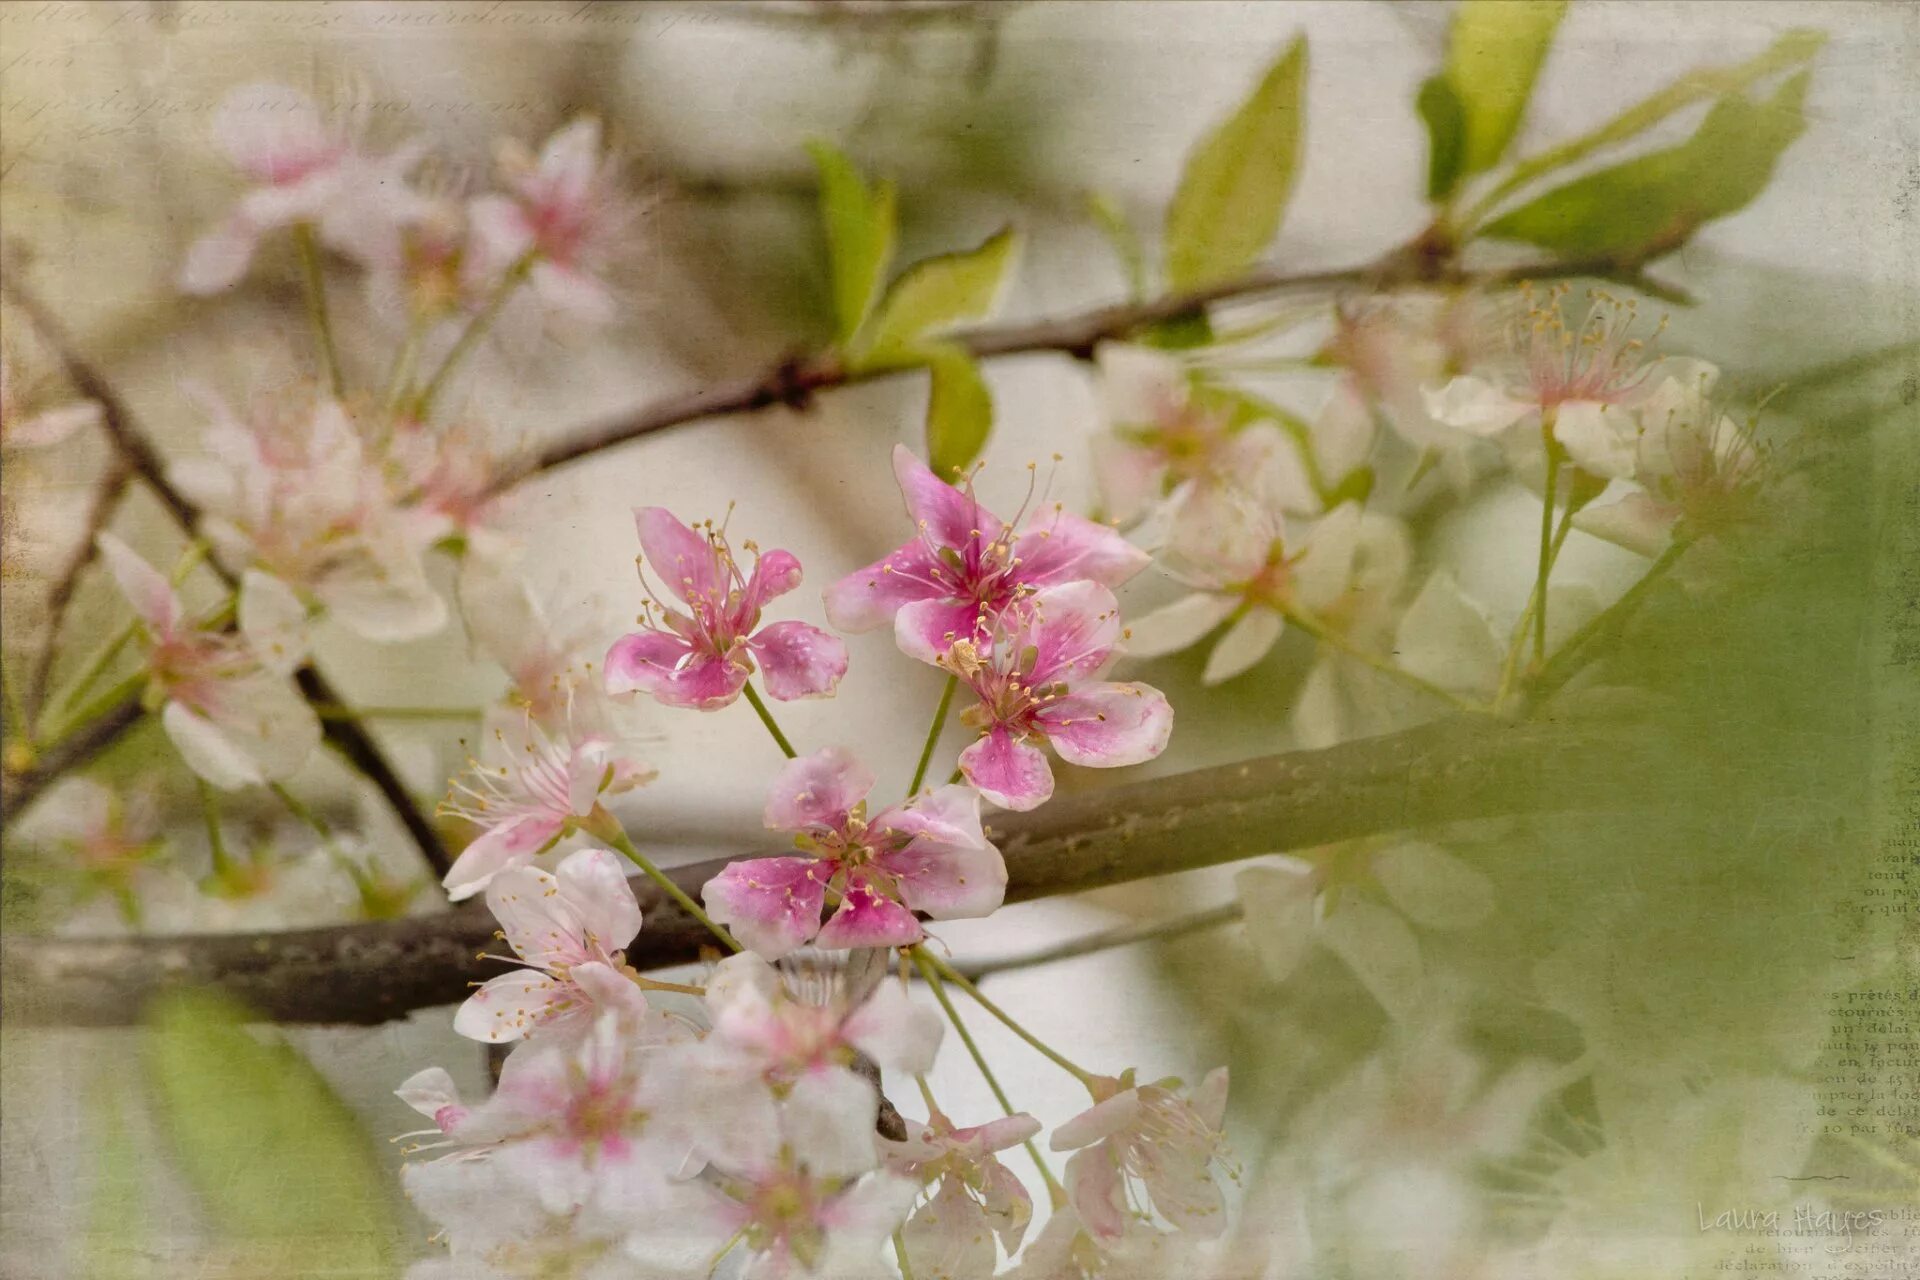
(1012, 773)
(539, 922)
(1600, 438)
(948, 1235)
(947, 868)
(866, 918)
(1072, 628)
(144, 586)
(1173, 627)
(817, 790)
(494, 850)
(1104, 726)
(663, 665)
(273, 620)
(1093, 1186)
(686, 563)
(828, 1121)
(868, 598)
(798, 660)
(894, 1030)
(1244, 644)
(1380, 949)
(926, 629)
(1475, 405)
(1448, 639)
(593, 883)
(1099, 1122)
(1638, 522)
(511, 1005)
(1058, 546)
(771, 904)
(1278, 906)
(216, 261)
(949, 516)
(207, 751)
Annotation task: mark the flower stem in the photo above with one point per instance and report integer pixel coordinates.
(1547, 547)
(1517, 639)
(928, 970)
(92, 711)
(766, 718)
(337, 711)
(1334, 640)
(950, 974)
(933, 735)
(316, 283)
(900, 1252)
(400, 380)
(609, 829)
(476, 329)
(216, 843)
(1563, 667)
(96, 666)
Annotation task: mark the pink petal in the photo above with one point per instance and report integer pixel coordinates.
(144, 586)
(1093, 1185)
(593, 884)
(271, 132)
(1059, 546)
(1074, 627)
(1098, 1122)
(1011, 773)
(868, 919)
(1008, 1206)
(894, 1030)
(771, 904)
(665, 666)
(948, 869)
(926, 629)
(540, 924)
(569, 162)
(798, 660)
(998, 1135)
(949, 516)
(817, 790)
(494, 850)
(1107, 725)
(686, 562)
(774, 574)
(1131, 477)
(868, 598)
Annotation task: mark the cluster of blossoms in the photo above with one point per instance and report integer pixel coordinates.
(646, 1124)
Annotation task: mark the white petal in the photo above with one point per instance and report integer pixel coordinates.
(1139, 386)
(828, 1120)
(894, 1030)
(1599, 438)
(1433, 887)
(1326, 562)
(1380, 949)
(207, 751)
(1277, 908)
(144, 586)
(1246, 642)
(1173, 627)
(428, 1091)
(1447, 639)
(1475, 405)
(273, 620)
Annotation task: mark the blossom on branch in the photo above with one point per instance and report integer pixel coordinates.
(928, 854)
(965, 565)
(1147, 1147)
(700, 654)
(975, 1197)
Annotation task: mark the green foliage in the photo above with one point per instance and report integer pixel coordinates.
(114, 1242)
(959, 409)
(1494, 52)
(860, 223)
(1113, 224)
(1440, 110)
(935, 296)
(286, 1177)
(1653, 203)
(1235, 188)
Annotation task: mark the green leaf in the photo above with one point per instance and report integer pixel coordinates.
(1494, 52)
(1446, 125)
(1652, 204)
(860, 222)
(286, 1177)
(959, 410)
(116, 1240)
(1231, 197)
(937, 294)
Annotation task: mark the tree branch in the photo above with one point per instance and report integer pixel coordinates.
(370, 973)
(132, 444)
(794, 381)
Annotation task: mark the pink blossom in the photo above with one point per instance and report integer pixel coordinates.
(569, 928)
(928, 854)
(1152, 1138)
(1035, 681)
(702, 657)
(794, 1220)
(303, 172)
(229, 706)
(564, 216)
(965, 565)
(529, 790)
(976, 1198)
(776, 1071)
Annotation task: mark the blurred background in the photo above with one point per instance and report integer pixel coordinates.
(1702, 951)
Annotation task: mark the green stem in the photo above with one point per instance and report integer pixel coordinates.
(900, 1252)
(928, 970)
(958, 979)
(957, 774)
(476, 329)
(92, 711)
(608, 828)
(96, 666)
(1564, 664)
(1334, 640)
(310, 269)
(216, 843)
(1522, 626)
(1546, 539)
(400, 380)
(933, 735)
(766, 718)
(300, 811)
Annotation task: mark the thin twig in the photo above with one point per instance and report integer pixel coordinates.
(113, 486)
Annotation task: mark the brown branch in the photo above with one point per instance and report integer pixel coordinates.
(113, 486)
(370, 973)
(794, 381)
(132, 444)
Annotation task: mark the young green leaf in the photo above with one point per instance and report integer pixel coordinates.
(1652, 204)
(935, 295)
(1494, 52)
(860, 223)
(285, 1175)
(1439, 108)
(1231, 197)
(959, 410)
